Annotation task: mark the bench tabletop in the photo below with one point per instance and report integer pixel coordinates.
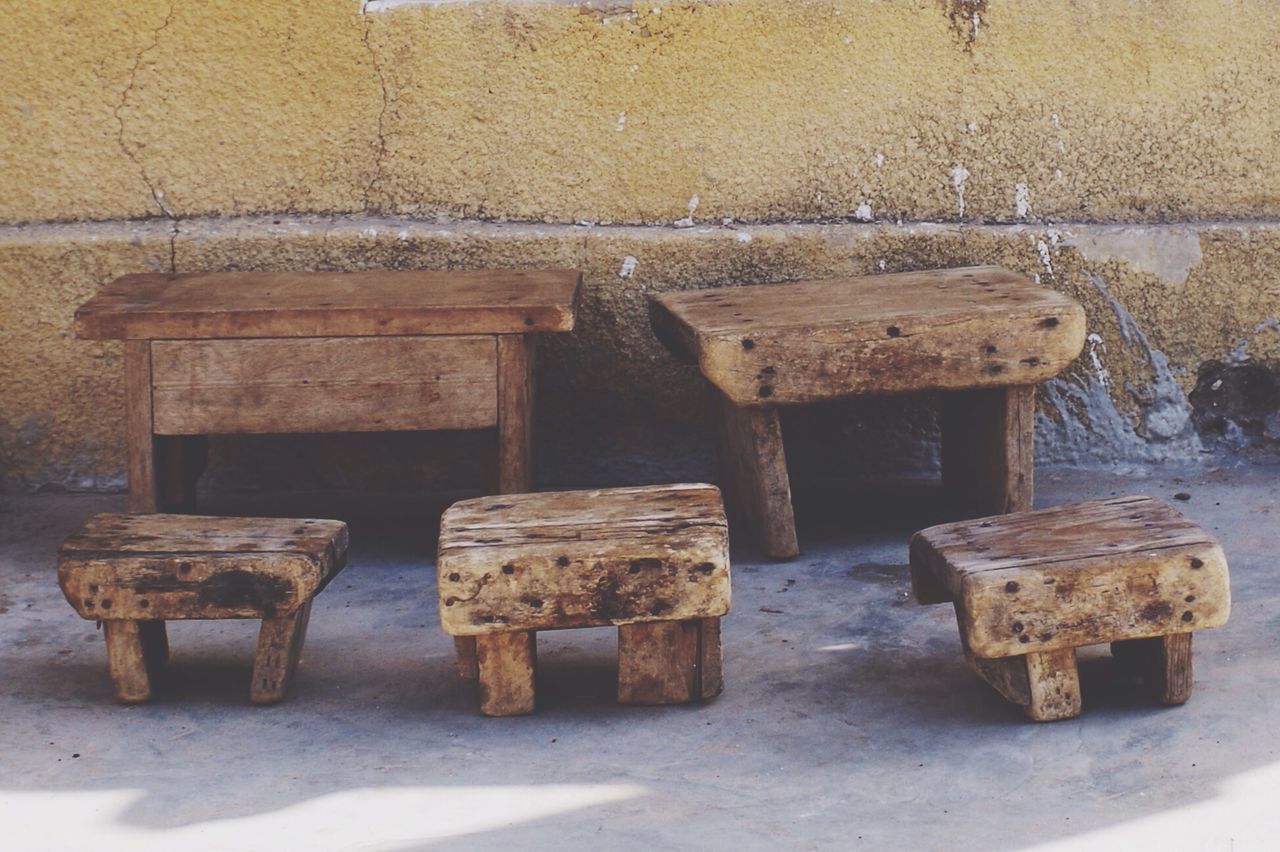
(583, 559)
(331, 304)
(932, 329)
(1077, 574)
(158, 566)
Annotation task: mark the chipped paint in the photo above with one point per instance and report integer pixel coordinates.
(1169, 253)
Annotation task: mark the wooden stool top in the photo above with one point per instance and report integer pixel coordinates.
(583, 559)
(146, 567)
(331, 304)
(1076, 574)
(938, 329)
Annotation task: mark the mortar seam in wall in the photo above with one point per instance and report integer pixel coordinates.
(177, 225)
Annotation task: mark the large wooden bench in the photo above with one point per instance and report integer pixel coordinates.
(1029, 588)
(135, 572)
(273, 352)
(982, 335)
(652, 561)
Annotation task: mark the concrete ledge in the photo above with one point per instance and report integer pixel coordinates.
(1162, 301)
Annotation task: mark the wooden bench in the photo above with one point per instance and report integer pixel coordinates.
(654, 561)
(983, 335)
(134, 572)
(283, 352)
(1029, 588)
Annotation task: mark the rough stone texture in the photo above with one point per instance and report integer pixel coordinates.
(761, 110)
(62, 416)
(614, 406)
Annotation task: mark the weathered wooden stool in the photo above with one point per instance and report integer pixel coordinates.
(134, 572)
(288, 352)
(983, 335)
(652, 560)
(1031, 587)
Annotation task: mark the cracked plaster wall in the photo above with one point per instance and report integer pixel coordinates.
(1121, 152)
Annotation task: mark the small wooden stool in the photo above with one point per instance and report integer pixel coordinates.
(652, 560)
(134, 572)
(1031, 587)
(983, 334)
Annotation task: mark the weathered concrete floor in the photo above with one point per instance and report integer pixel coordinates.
(848, 720)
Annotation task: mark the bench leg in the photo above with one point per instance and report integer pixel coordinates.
(988, 446)
(279, 647)
(1054, 684)
(155, 645)
(465, 648)
(753, 470)
(139, 442)
(1164, 662)
(515, 413)
(669, 662)
(127, 659)
(508, 672)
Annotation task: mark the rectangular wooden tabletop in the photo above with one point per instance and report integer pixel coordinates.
(331, 304)
(932, 329)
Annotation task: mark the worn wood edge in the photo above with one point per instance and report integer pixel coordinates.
(454, 520)
(977, 588)
(716, 595)
(672, 331)
(928, 573)
(76, 575)
(721, 358)
(94, 320)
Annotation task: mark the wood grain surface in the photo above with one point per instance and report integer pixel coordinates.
(331, 304)
(940, 329)
(582, 559)
(1073, 575)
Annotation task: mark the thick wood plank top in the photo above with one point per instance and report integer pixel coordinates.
(122, 566)
(933, 329)
(1077, 574)
(331, 304)
(583, 558)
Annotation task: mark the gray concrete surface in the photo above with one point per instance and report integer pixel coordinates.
(848, 719)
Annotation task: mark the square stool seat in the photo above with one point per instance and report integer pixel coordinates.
(1031, 587)
(133, 572)
(983, 335)
(652, 561)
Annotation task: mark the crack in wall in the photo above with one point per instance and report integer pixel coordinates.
(157, 195)
(381, 151)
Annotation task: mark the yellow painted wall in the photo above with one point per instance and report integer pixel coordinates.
(307, 134)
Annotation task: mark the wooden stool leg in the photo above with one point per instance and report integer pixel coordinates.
(139, 443)
(508, 664)
(515, 413)
(658, 662)
(1054, 684)
(753, 467)
(155, 645)
(279, 647)
(988, 447)
(127, 661)
(710, 666)
(465, 648)
(1164, 662)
